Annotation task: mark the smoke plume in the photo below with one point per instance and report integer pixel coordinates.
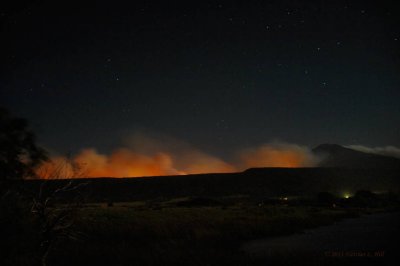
(154, 155)
(386, 151)
(278, 154)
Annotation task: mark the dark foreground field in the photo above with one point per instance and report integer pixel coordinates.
(368, 240)
(183, 221)
(176, 232)
(137, 233)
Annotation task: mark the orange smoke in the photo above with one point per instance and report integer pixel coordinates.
(59, 167)
(125, 163)
(171, 157)
(277, 155)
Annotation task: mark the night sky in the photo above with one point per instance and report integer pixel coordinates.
(219, 75)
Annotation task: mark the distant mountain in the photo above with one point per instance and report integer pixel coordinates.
(334, 155)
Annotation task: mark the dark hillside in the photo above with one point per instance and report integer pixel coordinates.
(256, 182)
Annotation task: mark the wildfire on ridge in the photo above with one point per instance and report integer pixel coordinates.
(125, 162)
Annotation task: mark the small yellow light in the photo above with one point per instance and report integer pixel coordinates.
(346, 196)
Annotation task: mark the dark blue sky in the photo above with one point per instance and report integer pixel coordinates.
(221, 75)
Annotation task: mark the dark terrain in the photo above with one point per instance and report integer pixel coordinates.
(205, 219)
(368, 240)
(259, 183)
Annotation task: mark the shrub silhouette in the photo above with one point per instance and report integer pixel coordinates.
(19, 154)
(365, 198)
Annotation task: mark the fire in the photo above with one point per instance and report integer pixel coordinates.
(124, 162)
(129, 162)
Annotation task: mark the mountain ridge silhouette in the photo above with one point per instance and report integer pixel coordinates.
(334, 155)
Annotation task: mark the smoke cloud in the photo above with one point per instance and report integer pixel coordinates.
(386, 151)
(125, 163)
(145, 154)
(278, 154)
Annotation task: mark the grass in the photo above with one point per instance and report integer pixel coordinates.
(178, 231)
(148, 233)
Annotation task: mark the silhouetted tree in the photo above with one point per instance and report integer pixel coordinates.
(19, 154)
(56, 220)
(19, 159)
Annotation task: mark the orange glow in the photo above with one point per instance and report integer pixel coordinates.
(58, 167)
(127, 162)
(277, 155)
